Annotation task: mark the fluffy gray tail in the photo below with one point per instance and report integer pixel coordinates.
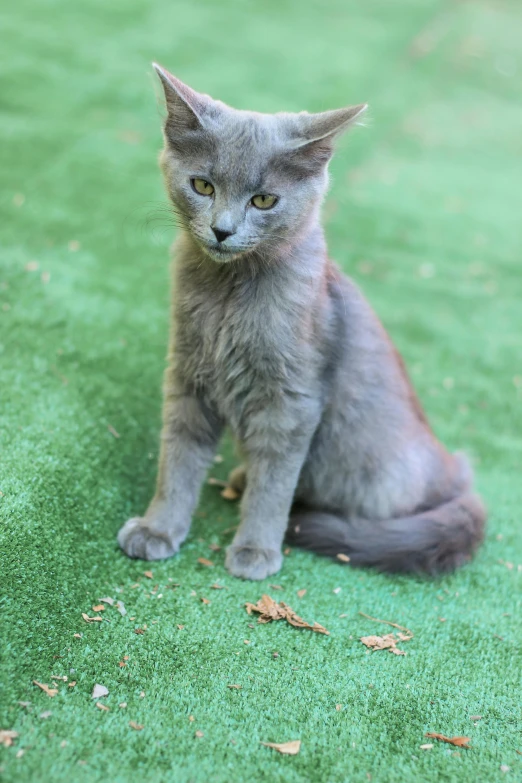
(434, 541)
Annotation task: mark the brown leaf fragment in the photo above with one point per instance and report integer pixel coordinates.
(121, 664)
(78, 635)
(214, 547)
(102, 706)
(301, 593)
(88, 619)
(460, 742)
(191, 718)
(99, 691)
(181, 627)
(148, 574)
(286, 748)
(7, 736)
(287, 551)
(338, 707)
(98, 608)
(113, 432)
(139, 630)
(229, 493)
(72, 684)
(198, 734)
(204, 600)
(343, 558)
(203, 561)
(217, 587)
(59, 677)
(386, 642)
(136, 726)
(269, 610)
(49, 691)
(237, 687)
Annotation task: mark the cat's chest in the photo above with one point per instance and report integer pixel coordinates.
(238, 346)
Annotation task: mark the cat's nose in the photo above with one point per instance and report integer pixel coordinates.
(220, 234)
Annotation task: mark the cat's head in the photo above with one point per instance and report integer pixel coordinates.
(241, 180)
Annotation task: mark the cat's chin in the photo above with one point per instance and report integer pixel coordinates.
(222, 255)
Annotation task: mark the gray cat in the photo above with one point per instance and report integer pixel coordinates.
(271, 340)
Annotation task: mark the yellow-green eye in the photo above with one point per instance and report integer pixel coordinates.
(202, 187)
(264, 201)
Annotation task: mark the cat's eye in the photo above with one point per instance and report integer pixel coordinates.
(202, 187)
(264, 201)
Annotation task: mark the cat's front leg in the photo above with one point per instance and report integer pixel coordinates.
(189, 440)
(275, 454)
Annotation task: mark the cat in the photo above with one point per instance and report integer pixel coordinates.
(270, 339)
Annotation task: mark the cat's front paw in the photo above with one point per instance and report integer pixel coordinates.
(253, 563)
(139, 541)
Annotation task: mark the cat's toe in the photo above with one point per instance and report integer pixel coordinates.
(252, 563)
(139, 541)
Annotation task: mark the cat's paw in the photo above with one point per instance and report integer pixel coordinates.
(139, 541)
(252, 563)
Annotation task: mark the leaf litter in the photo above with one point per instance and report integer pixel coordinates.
(286, 748)
(390, 640)
(7, 736)
(269, 610)
(46, 689)
(460, 742)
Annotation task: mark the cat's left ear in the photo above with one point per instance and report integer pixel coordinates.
(312, 136)
(187, 109)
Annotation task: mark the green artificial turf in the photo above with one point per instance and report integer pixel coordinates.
(424, 212)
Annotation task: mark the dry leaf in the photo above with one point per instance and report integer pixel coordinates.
(7, 736)
(148, 574)
(49, 691)
(214, 547)
(270, 610)
(59, 677)
(460, 742)
(229, 493)
(139, 630)
(286, 748)
(181, 627)
(102, 706)
(122, 705)
(91, 619)
(78, 635)
(235, 686)
(109, 601)
(205, 600)
(121, 664)
(136, 726)
(205, 562)
(301, 593)
(343, 558)
(120, 606)
(199, 734)
(191, 718)
(276, 587)
(217, 587)
(99, 691)
(386, 642)
(98, 608)
(338, 707)
(72, 684)
(287, 551)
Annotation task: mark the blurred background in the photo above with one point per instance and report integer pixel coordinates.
(424, 212)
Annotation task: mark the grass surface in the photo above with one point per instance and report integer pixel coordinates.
(423, 212)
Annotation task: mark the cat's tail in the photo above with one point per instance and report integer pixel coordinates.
(434, 541)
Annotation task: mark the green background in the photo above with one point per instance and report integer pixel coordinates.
(424, 212)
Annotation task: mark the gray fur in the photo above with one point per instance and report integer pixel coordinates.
(271, 340)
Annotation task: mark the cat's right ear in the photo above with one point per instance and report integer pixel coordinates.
(186, 108)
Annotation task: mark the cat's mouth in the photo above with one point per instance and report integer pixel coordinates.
(222, 254)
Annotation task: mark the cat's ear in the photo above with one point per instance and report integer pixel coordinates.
(187, 109)
(312, 136)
